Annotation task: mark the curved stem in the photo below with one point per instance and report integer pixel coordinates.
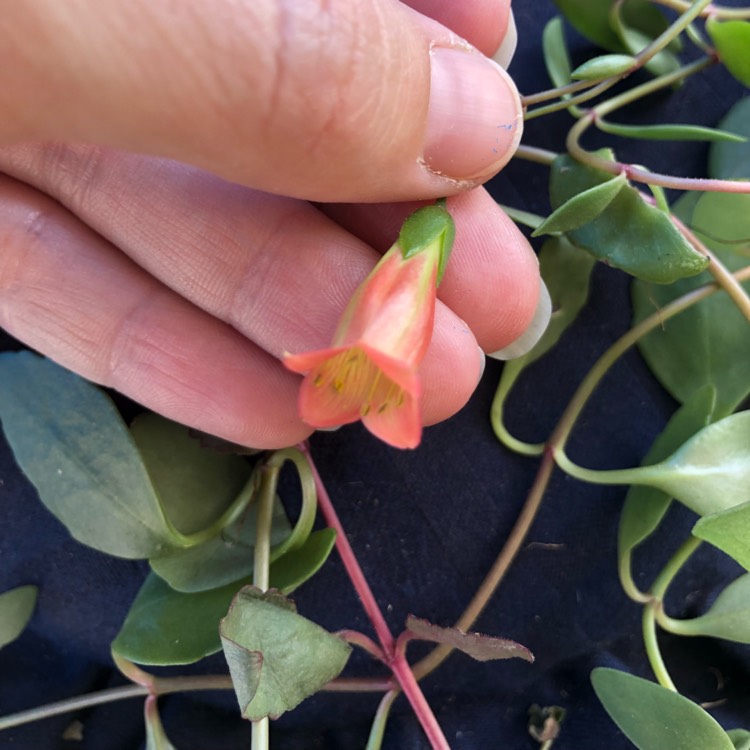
(636, 475)
(671, 569)
(556, 93)
(650, 641)
(626, 580)
(377, 731)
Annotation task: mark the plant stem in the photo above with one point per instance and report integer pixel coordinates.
(111, 695)
(537, 155)
(375, 740)
(715, 10)
(628, 584)
(653, 652)
(396, 661)
(556, 93)
(665, 578)
(366, 644)
(722, 276)
(592, 93)
(510, 374)
(261, 568)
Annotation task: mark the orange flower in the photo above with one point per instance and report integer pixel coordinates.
(370, 370)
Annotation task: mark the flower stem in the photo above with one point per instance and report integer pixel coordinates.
(395, 660)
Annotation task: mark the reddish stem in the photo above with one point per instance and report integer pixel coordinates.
(396, 661)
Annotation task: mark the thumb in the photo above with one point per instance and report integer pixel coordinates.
(348, 100)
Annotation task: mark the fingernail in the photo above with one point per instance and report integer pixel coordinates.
(474, 120)
(482, 364)
(507, 48)
(530, 337)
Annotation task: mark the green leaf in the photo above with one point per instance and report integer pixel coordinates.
(635, 39)
(476, 645)
(675, 132)
(72, 444)
(629, 234)
(645, 506)
(728, 617)
(729, 530)
(16, 608)
(224, 558)
(156, 737)
(582, 208)
(732, 42)
(294, 568)
(711, 471)
(556, 58)
(707, 343)
(722, 221)
(429, 226)
(167, 627)
(604, 66)
(195, 485)
(654, 718)
(295, 656)
(740, 738)
(592, 19)
(566, 270)
(730, 161)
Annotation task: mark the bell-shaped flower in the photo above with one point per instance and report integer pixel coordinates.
(370, 370)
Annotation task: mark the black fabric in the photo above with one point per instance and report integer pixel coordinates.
(426, 526)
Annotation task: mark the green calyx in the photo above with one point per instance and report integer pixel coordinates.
(429, 228)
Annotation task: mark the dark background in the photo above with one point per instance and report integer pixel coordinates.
(427, 526)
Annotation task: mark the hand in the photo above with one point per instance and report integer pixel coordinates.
(176, 255)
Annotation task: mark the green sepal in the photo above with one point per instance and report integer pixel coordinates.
(428, 227)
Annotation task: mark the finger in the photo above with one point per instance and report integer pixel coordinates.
(363, 100)
(282, 281)
(70, 294)
(492, 280)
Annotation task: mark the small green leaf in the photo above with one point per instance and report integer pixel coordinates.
(629, 234)
(16, 608)
(476, 645)
(674, 132)
(711, 471)
(729, 530)
(708, 343)
(296, 656)
(224, 558)
(728, 617)
(604, 66)
(166, 627)
(72, 444)
(732, 42)
(654, 718)
(195, 485)
(156, 737)
(556, 58)
(582, 208)
(731, 161)
(740, 738)
(645, 506)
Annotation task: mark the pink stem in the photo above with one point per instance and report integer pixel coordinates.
(396, 661)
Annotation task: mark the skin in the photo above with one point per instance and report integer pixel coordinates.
(177, 210)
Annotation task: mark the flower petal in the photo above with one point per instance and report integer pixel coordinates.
(399, 425)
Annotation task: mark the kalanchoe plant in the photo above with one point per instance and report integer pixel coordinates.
(223, 555)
